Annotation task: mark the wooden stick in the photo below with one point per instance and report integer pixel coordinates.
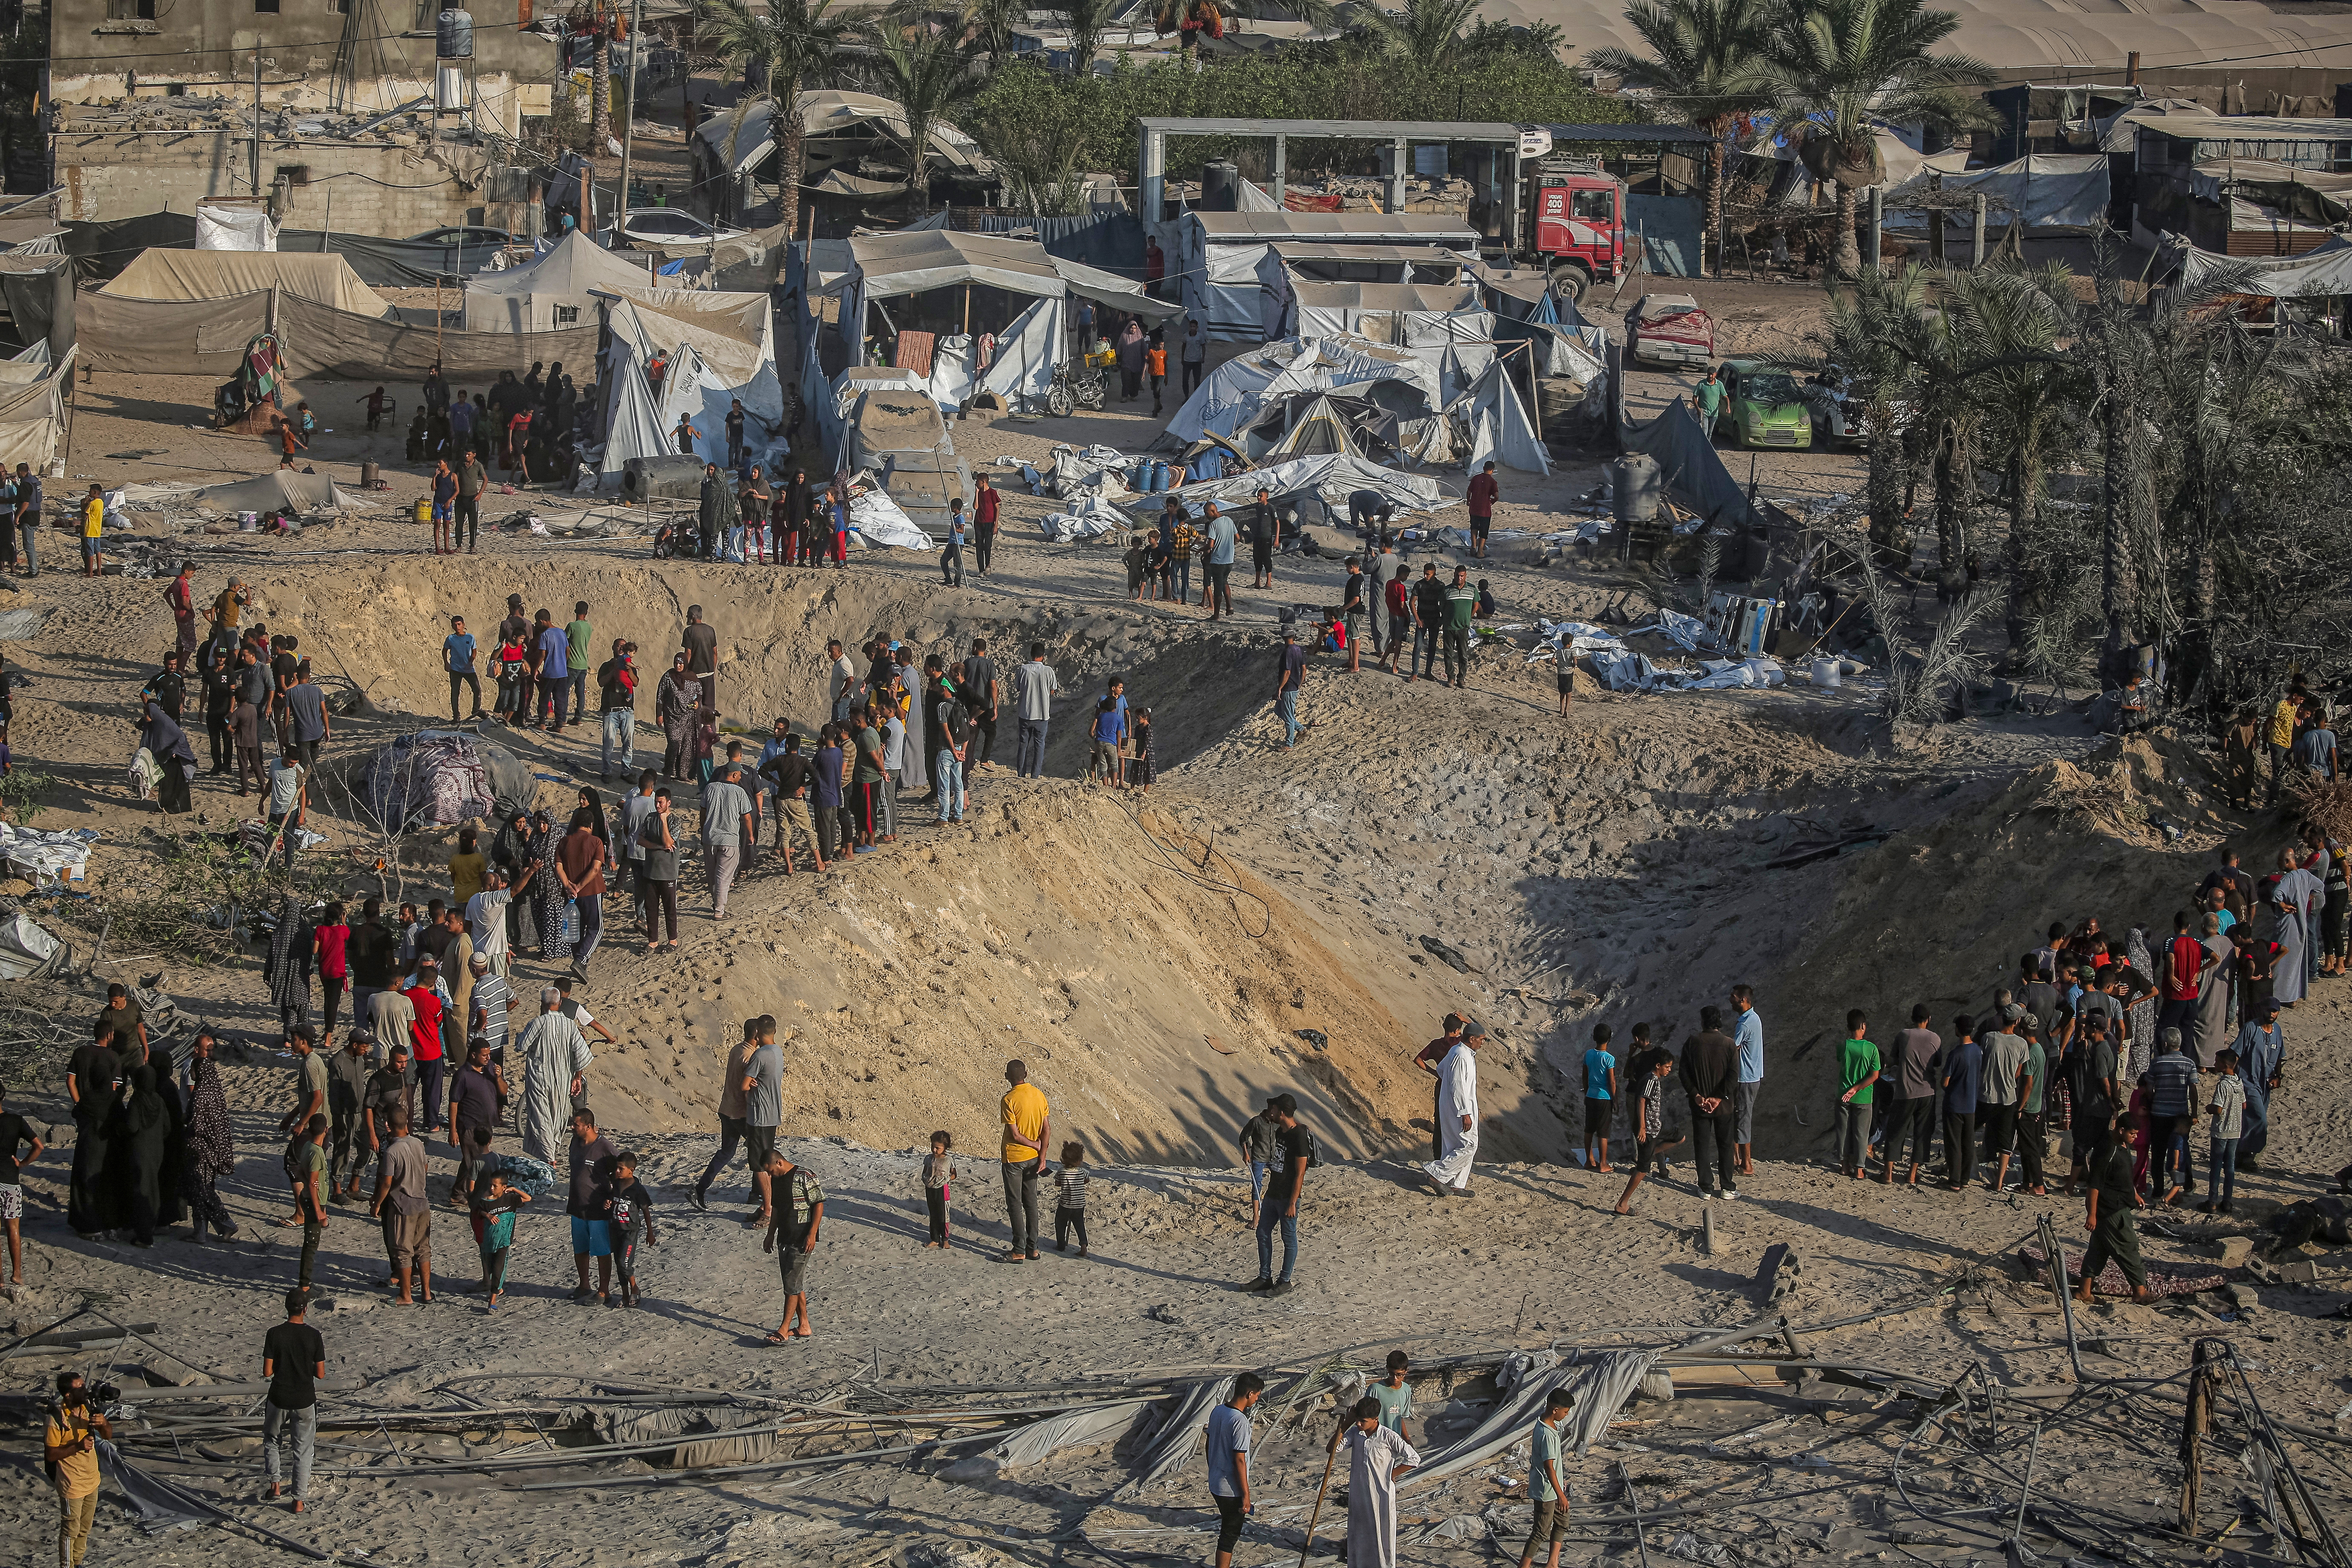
(1315, 1518)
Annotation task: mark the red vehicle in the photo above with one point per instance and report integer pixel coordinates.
(1669, 330)
(1579, 227)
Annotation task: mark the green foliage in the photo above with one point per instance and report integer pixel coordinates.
(180, 906)
(23, 793)
(1097, 113)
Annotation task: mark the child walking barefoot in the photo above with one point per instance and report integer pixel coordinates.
(495, 1211)
(1649, 1069)
(630, 1212)
(938, 1180)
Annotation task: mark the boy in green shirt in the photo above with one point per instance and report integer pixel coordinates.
(580, 636)
(1858, 1065)
(1546, 1488)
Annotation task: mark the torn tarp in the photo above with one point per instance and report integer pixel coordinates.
(1601, 1385)
(27, 952)
(1334, 475)
(41, 858)
(1093, 518)
(877, 519)
(1172, 1445)
(1036, 1443)
(164, 1505)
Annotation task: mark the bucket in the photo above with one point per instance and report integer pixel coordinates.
(248, 521)
(1825, 672)
(367, 476)
(425, 511)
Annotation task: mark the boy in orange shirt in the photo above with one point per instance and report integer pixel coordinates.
(1155, 362)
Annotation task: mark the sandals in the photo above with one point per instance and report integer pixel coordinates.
(780, 1337)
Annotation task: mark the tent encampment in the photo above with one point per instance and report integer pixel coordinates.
(2315, 274)
(718, 349)
(557, 289)
(2048, 190)
(32, 406)
(203, 276)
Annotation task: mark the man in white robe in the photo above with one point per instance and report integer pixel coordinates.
(1457, 1116)
(555, 1059)
(1376, 1455)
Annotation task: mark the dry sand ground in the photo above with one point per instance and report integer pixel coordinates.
(1156, 968)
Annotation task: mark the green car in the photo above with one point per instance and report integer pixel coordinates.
(1763, 406)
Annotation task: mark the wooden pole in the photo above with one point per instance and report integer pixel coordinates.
(2194, 1424)
(967, 309)
(1315, 1517)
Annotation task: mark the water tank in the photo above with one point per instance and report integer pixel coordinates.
(448, 85)
(453, 34)
(1221, 186)
(664, 477)
(1633, 478)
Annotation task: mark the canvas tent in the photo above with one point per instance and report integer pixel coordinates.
(1219, 256)
(556, 289)
(1385, 312)
(2315, 274)
(720, 348)
(202, 276)
(2048, 190)
(33, 406)
(737, 147)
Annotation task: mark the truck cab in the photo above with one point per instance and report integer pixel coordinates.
(1579, 225)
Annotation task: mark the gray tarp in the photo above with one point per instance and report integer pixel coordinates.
(1036, 1443)
(168, 336)
(1689, 466)
(1335, 478)
(2050, 190)
(2315, 274)
(1601, 1387)
(326, 345)
(31, 292)
(390, 263)
(1173, 1445)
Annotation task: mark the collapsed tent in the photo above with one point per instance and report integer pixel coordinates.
(33, 406)
(1689, 464)
(1599, 1387)
(1038, 1441)
(439, 778)
(2048, 190)
(559, 289)
(200, 276)
(834, 125)
(1172, 1445)
(2315, 274)
(27, 950)
(282, 489)
(1330, 480)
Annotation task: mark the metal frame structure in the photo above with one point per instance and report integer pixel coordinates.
(1151, 152)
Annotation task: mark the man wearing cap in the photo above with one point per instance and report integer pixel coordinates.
(2000, 1087)
(348, 1072)
(1457, 1114)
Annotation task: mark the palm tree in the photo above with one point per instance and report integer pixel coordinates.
(1086, 21)
(600, 86)
(991, 25)
(929, 75)
(1432, 33)
(1841, 65)
(1865, 341)
(1702, 64)
(796, 40)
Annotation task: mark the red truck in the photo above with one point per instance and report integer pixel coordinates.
(1579, 225)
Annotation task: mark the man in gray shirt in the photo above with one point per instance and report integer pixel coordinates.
(1385, 569)
(731, 832)
(1997, 1092)
(764, 1107)
(407, 1218)
(1217, 590)
(307, 706)
(1038, 686)
(634, 812)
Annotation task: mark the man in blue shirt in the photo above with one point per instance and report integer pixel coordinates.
(1748, 1034)
(1963, 1069)
(457, 658)
(1228, 1450)
(554, 674)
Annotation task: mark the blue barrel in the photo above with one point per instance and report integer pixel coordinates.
(453, 34)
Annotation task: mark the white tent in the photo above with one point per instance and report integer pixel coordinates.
(1027, 353)
(559, 289)
(2315, 274)
(720, 348)
(740, 146)
(2051, 190)
(1334, 477)
(1385, 312)
(1220, 257)
(234, 226)
(1317, 430)
(1512, 440)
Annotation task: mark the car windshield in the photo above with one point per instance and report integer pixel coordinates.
(1771, 386)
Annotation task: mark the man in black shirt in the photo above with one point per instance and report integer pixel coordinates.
(15, 1133)
(981, 695)
(1710, 1071)
(370, 954)
(1428, 622)
(791, 774)
(294, 1359)
(1295, 1147)
(348, 1073)
(167, 687)
(217, 667)
(2037, 996)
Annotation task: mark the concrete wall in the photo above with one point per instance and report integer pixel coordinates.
(207, 47)
(392, 191)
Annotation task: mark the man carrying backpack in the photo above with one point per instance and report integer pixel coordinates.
(1295, 1148)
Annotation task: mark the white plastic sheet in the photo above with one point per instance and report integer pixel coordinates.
(1334, 477)
(238, 227)
(875, 519)
(2061, 190)
(1036, 1443)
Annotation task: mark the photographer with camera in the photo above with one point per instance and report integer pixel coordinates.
(69, 1444)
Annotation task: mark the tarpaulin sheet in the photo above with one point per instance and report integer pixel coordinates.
(235, 228)
(390, 263)
(27, 949)
(31, 289)
(722, 348)
(1335, 478)
(32, 405)
(1690, 467)
(740, 146)
(1517, 446)
(1110, 239)
(2050, 190)
(164, 1505)
(1027, 353)
(2315, 274)
(1172, 1445)
(571, 273)
(207, 274)
(169, 337)
(1036, 1443)
(633, 426)
(1601, 1385)
(280, 489)
(102, 249)
(328, 344)
(875, 519)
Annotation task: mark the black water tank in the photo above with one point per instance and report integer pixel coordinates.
(453, 34)
(1221, 186)
(672, 476)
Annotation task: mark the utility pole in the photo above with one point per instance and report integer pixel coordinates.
(628, 124)
(257, 119)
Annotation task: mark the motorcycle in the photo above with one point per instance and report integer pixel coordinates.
(1075, 384)
(678, 538)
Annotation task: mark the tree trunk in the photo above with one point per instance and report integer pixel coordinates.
(787, 104)
(1944, 477)
(1846, 256)
(1714, 192)
(2116, 585)
(2020, 509)
(600, 84)
(1883, 490)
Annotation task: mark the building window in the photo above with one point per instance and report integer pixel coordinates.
(567, 315)
(129, 10)
(265, 8)
(293, 175)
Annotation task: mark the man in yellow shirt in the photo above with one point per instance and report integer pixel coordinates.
(68, 1445)
(2283, 719)
(1026, 1120)
(93, 524)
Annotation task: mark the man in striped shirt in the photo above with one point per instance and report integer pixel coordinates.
(491, 999)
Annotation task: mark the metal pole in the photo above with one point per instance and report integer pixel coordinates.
(628, 127)
(1877, 226)
(1976, 247)
(257, 120)
(1402, 159)
(1281, 166)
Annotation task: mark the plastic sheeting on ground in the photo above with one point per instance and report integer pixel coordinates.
(42, 859)
(1093, 518)
(1601, 1387)
(875, 519)
(2315, 274)
(27, 950)
(1335, 478)
(1622, 670)
(1171, 1447)
(2049, 190)
(1036, 1443)
(1689, 464)
(439, 778)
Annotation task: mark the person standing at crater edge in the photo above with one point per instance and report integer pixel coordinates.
(1027, 1119)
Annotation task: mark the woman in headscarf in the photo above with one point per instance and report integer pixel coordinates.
(915, 760)
(287, 967)
(142, 1134)
(676, 698)
(510, 853)
(793, 522)
(547, 889)
(211, 1149)
(591, 810)
(2139, 1018)
(93, 1205)
(168, 744)
(1130, 360)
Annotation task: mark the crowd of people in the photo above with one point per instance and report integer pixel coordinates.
(530, 427)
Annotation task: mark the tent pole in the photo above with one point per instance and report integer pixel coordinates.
(967, 309)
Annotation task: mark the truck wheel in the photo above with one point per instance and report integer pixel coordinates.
(1057, 400)
(1570, 281)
